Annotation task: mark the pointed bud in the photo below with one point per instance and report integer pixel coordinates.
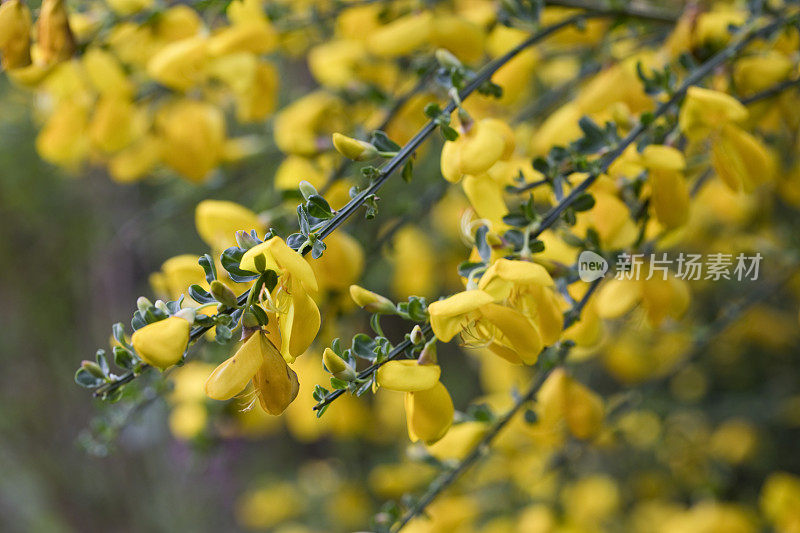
(223, 294)
(353, 148)
(446, 59)
(372, 302)
(249, 320)
(93, 368)
(143, 304)
(338, 366)
(162, 306)
(55, 40)
(428, 355)
(245, 240)
(187, 313)
(416, 335)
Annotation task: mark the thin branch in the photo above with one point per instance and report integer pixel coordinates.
(770, 92)
(746, 37)
(630, 9)
(367, 372)
(543, 370)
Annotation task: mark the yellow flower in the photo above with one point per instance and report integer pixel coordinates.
(659, 297)
(259, 361)
(300, 125)
(475, 151)
(711, 28)
(528, 288)
(115, 123)
(459, 441)
(337, 366)
(740, 159)
(176, 275)
(162, 344)
(187, 420)
(63, 139)
(562, 400)
(180, 65)
(54, 37)
(336, 63)
(193, 136)
(401, 36)
(106, 74)
(353, 148)
(407, 376)
(780, 500)
(472, 313)
(451, 316)
(755, 73)
(15, 35)
(486, 197)
(135, 161)
(218, 221)
(460, 36)
(414, 260)
(705, 111)
(255, 36)
(371, 301)
(669, 193)
(128, 7)
(342, 263)
(298, 315)
(429, 413)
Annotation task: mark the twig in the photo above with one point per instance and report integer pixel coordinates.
(607, 159)
(544, 368)
(367, 372)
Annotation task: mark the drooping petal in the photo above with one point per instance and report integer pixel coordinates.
(232, 376)
(275, 383)
(429, 413)
(299, 325)
(516, 330)
(407, 376)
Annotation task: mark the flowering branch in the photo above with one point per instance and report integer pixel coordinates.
(544, 368)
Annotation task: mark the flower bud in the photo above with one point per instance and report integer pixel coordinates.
(249, 320)
(93, 368)
(161, 306)
(245, 240)
(15, 31)
(428, 355)
(223, 294)
(187, 313)
(372, 302)
(161, 344)
(416, 336)
(55, 39)
(338, 366)
(143, 304)
(353, 148)
(446, 59)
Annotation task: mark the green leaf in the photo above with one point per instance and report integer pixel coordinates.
(208, 267)
(230, 260)
(583, 202)
(382, 142)
(318, 207)
(84, 378)
(408, 171)
(200, 295)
